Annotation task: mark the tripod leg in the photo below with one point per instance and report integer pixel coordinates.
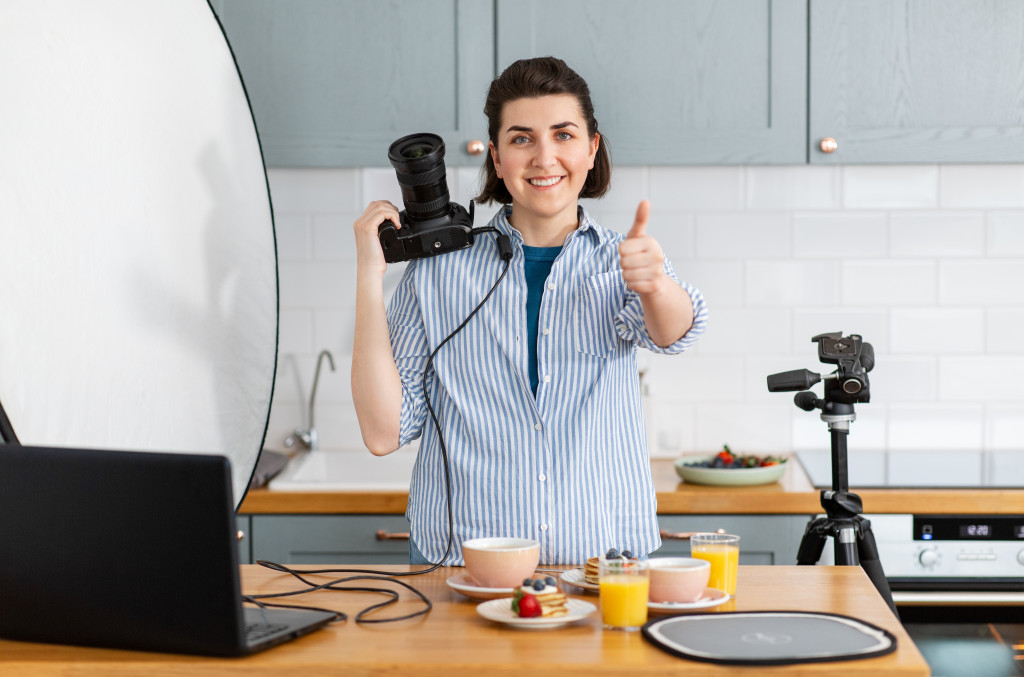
(846, 543)
(872, 565)
(813, 542)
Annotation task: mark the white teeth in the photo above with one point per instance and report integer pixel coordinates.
(546, 182)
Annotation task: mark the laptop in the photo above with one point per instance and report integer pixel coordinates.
(130, 550)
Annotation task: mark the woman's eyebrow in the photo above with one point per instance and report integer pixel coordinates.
(560, 125)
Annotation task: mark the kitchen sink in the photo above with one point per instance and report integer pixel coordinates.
(346, 470)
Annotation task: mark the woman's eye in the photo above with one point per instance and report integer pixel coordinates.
(520, 140)
(563, 136)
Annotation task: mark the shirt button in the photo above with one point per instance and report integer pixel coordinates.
(537, 426)
(543, 527)
(551, 285)
(542, 477)
(547, 379)
(546, 331)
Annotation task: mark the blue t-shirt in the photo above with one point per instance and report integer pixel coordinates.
(537, 263)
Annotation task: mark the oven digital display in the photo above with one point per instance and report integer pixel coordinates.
(975, 531)
(967, 528)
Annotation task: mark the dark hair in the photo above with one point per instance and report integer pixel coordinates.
(532, 78)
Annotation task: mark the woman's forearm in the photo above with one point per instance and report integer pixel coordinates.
(376, 385)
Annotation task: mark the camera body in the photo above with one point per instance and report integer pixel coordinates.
(417, 239)
(430, 223)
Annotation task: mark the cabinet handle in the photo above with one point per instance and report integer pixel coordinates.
(684, 535)
(828, 145)
(385, 536)
(476, 147)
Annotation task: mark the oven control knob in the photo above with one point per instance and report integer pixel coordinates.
(1020, 556)
(928, 558)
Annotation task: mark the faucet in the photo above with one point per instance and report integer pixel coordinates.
(309, 437)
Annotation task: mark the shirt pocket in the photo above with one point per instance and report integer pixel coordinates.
(598, 302)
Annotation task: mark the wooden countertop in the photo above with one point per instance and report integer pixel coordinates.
(454, 640)
(793, 494)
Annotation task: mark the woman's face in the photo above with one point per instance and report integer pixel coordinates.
(543, 154)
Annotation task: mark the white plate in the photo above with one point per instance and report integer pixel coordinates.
(731, 477)
(579, 579)
(500, 610)
(711, 597)
(465, 584)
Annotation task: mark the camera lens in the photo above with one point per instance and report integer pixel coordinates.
(418, 160)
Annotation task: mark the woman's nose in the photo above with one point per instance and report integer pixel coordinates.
(544, 156)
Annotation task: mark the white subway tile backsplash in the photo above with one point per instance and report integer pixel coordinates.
(925, 262)
(1004, 329)
(293, 236)
(314, 190)
(743, 235)
(792, 283)
(697, 188)
(840, 235)
(793, 187)
(981, 186)
(1006, 234)
(990, 378)
(936, 234)
(883, 284)
(987, 282)
(938, 331)
(890, 187)
(935, 427)
(1004, 429)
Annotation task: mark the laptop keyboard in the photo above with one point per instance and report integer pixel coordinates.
(254, 632)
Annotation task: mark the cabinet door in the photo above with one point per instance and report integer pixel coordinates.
(764, 539)
(917, 80)
(678, 81)
(333, 83)
(328, 539)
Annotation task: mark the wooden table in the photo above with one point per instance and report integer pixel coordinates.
(454, 640)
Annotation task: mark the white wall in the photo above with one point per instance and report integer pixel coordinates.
(925, 261)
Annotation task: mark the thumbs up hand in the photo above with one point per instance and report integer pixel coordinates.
(640, 256)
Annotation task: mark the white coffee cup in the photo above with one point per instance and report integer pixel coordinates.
(678, 579)
(500, 562)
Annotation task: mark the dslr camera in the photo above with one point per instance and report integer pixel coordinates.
(430, 223)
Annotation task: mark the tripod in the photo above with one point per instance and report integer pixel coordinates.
(851, 533)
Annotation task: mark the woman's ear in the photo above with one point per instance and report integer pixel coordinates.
(495, 159)
(594, 144)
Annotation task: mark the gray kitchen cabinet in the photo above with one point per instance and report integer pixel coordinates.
(244, 524)
(764, 539)
(692, 82)
(333, 83)
(917, 80)
(328, 539)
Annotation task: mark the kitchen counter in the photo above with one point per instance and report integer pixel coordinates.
(793, 494)
(453, 639)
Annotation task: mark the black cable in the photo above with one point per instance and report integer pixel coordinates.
(505, 253)
(6, 429)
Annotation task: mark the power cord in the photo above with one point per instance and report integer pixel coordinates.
(505, 254)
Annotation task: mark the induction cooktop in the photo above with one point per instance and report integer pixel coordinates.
(920, 469)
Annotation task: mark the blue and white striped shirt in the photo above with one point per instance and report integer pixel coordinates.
(568, 468)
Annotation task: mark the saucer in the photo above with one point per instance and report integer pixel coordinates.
(500, 610)
(579, 579)
(711, 597)
(465, 584)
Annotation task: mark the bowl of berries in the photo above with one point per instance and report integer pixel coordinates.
(730, 469)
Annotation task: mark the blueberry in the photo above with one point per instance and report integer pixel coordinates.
(627, 554)
(527, 582)
(538, 584)
(611, 554)
(550, 580)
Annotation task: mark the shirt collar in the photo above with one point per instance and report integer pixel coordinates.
(587, 225)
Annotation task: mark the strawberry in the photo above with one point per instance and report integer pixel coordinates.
(525, 605)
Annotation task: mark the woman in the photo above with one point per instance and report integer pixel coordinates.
(538, 395)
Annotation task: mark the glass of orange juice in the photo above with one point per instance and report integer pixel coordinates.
(723, 552)
(624, 587)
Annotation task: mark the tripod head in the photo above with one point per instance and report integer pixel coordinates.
(844, 387)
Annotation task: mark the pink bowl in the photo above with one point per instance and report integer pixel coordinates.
(678, 579)
(500, 562)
